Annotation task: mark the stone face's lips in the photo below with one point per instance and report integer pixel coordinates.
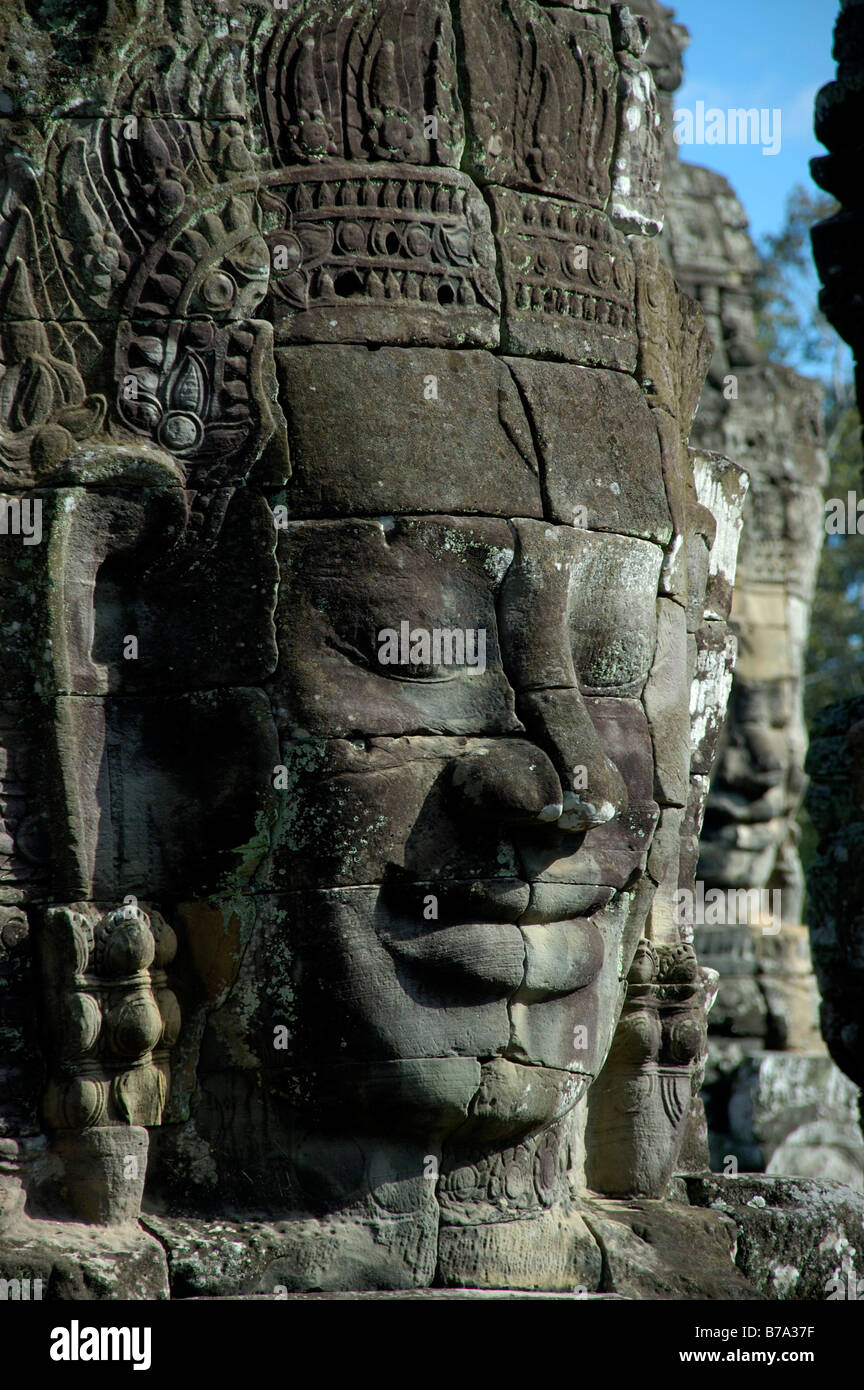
(494, 900)
(561, 902)
(469, 900)
(490, 953)
(539, 960)
(561, 957)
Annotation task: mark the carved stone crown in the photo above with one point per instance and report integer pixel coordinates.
(369, 199)
(375, 83)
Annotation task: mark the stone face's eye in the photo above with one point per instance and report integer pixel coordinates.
(437, 651)
(393, 627)
(613, 621)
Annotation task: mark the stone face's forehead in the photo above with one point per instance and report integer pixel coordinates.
(407, 430)
(598, 448)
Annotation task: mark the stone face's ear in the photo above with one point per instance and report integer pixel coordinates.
(110, 1021)
(644, 1104)
(640, 1105)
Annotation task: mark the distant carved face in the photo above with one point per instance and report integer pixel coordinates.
(458, 873)
(758, 784)
(749, 833)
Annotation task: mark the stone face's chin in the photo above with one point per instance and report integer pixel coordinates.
(435, 1101)
(417, 1029)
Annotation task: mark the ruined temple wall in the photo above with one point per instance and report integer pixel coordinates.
(769, 417)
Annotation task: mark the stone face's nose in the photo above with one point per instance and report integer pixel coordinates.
(513, 782)
(593, 789)
(537, 648)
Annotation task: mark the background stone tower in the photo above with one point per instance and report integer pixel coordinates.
(774, 1099)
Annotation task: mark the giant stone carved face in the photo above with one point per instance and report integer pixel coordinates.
(459, 855)
(482, 708)
(422, 576)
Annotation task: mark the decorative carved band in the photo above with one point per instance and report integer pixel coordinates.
(569, 282)
(350, 244)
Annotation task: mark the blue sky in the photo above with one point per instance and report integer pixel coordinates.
(762, 53)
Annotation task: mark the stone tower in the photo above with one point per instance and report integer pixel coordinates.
(365, 655)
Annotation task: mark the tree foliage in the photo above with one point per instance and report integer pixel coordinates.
(793, 328)
(796, 332)
(835, 657)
